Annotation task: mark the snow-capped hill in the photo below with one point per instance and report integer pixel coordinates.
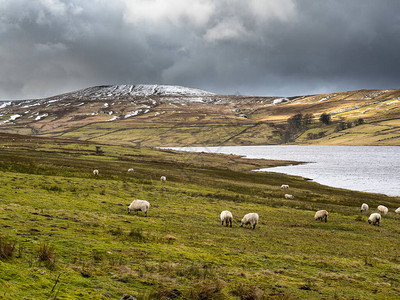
(168, 90)
(131, 91)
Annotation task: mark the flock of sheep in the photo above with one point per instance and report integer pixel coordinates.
(375, 218)
(252, 218)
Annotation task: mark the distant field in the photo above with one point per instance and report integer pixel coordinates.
(381, 133)
(90, 248)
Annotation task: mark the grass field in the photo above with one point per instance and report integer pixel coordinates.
(66, 234)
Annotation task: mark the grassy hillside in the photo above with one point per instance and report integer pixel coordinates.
(213, 120)
(74, 239)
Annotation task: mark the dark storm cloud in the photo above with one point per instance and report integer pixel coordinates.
(280, 47)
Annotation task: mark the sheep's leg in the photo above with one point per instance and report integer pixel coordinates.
(254, 226)
(222, 223)
(230, 222)
(145, 214)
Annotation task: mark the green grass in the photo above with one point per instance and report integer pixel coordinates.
(382, 133)
(74, 239)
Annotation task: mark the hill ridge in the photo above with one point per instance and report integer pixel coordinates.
(183, 116)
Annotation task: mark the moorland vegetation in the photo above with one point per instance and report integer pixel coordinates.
(66, 234)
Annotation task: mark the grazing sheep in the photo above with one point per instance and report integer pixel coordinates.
(163, 179)
(251, 218)
(137, 205)
(383, 209)
(95, 172)
(364, 207)
(288, 196)
(284, 186)
(226, 216)
(130, 170)
(375, 219)
(397, 211)
(321, 215)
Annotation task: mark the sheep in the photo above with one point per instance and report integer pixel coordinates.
(288, 196)
(226, 216)
(96, 172)
(383, 209)
(251, 218)
(375, 219)
(321, 215)
(364, 207)
(284, 186)
(163, 179)
(397, 211)
(130, 170)
(137, 205)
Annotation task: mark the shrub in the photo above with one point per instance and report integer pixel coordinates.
(116, 231)
(341, 126)
(161, 293)
(247, 292)
(52, 188)
(136, 235)
(197, 271)
(7, 248)
(314, 136)
(98, 255)
(360, 121)
(207, 290)
(46, 254)
(325, 118)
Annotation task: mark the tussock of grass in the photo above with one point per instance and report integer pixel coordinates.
(47, 255)
(7, 248)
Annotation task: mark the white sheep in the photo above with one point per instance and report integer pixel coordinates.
(226, 216)
(288, 196)
(130, 170)
(95, 172)
(137, 205)
(383, 209)
(364, 207)
(397, 211)
(321, 215)
(375, 219)
(284, 186)
(251, 218)
(163, 179)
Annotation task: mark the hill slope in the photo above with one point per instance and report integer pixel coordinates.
(74, 239)
(157, 115)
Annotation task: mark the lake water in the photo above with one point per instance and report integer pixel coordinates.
(373, 169)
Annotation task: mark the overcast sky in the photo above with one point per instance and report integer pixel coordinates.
(255, 47)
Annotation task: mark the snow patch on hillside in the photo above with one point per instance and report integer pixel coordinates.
(38, 118)
(280, 100)
(132, 113)
(12, 118)
(113, 119)
(5, 104)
